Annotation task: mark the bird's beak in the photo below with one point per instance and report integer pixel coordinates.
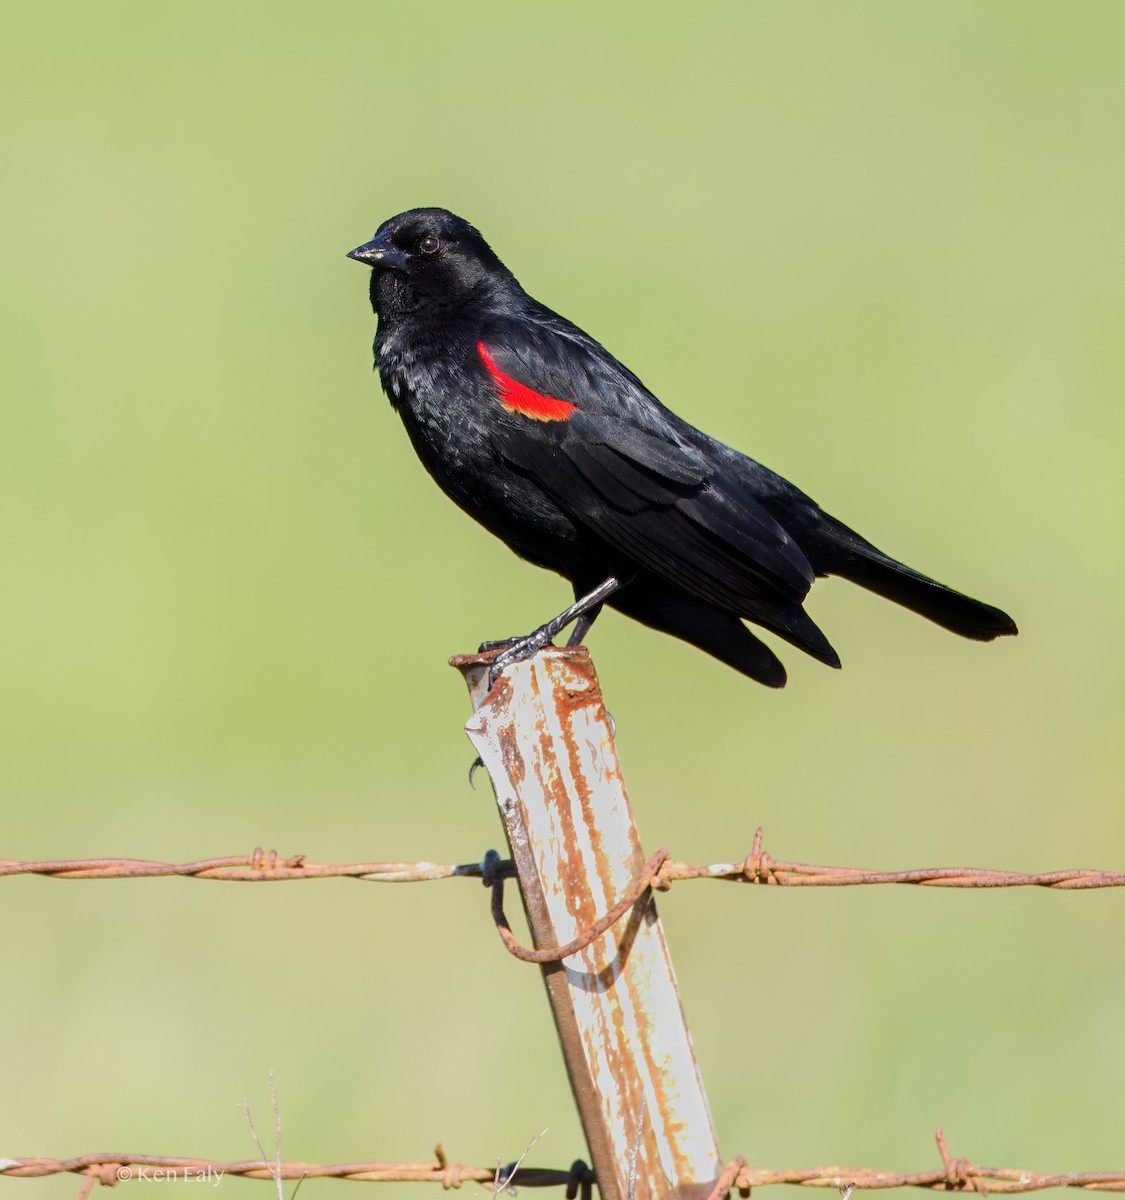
(380, 252)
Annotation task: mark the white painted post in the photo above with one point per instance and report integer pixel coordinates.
(545, 739)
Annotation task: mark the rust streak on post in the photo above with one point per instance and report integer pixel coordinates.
(545, 739)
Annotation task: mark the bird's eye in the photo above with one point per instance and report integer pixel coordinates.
(429, 244)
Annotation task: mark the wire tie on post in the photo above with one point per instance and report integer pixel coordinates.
(91, 1174)
(636, 890)
(727, 1179)
(489, 868)
(580, 1177)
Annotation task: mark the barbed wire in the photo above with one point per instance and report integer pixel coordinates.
(111, 1169)
(953, 1175)
(758, 867)
(259, 867)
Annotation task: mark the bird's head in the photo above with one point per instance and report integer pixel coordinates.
(427, 257)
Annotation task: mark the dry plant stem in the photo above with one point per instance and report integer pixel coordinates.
(499, 1186)
(276, 1172)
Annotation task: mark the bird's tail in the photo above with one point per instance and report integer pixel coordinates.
(841, 551)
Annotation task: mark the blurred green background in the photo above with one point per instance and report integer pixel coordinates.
(877, 245)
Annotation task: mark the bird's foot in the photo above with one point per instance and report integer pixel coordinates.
(583, 610)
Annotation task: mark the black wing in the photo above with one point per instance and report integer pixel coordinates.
(628, 470)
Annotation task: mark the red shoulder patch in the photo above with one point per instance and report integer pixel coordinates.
(518, 397)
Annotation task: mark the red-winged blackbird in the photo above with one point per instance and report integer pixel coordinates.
(542, 436)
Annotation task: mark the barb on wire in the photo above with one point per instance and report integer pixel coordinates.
(953, 1175)
(758, 867)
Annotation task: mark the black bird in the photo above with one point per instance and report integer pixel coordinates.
(542, 436)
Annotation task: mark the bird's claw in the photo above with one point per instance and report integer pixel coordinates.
(499, 644)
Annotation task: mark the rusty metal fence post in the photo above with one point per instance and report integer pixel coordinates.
(545, 738)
